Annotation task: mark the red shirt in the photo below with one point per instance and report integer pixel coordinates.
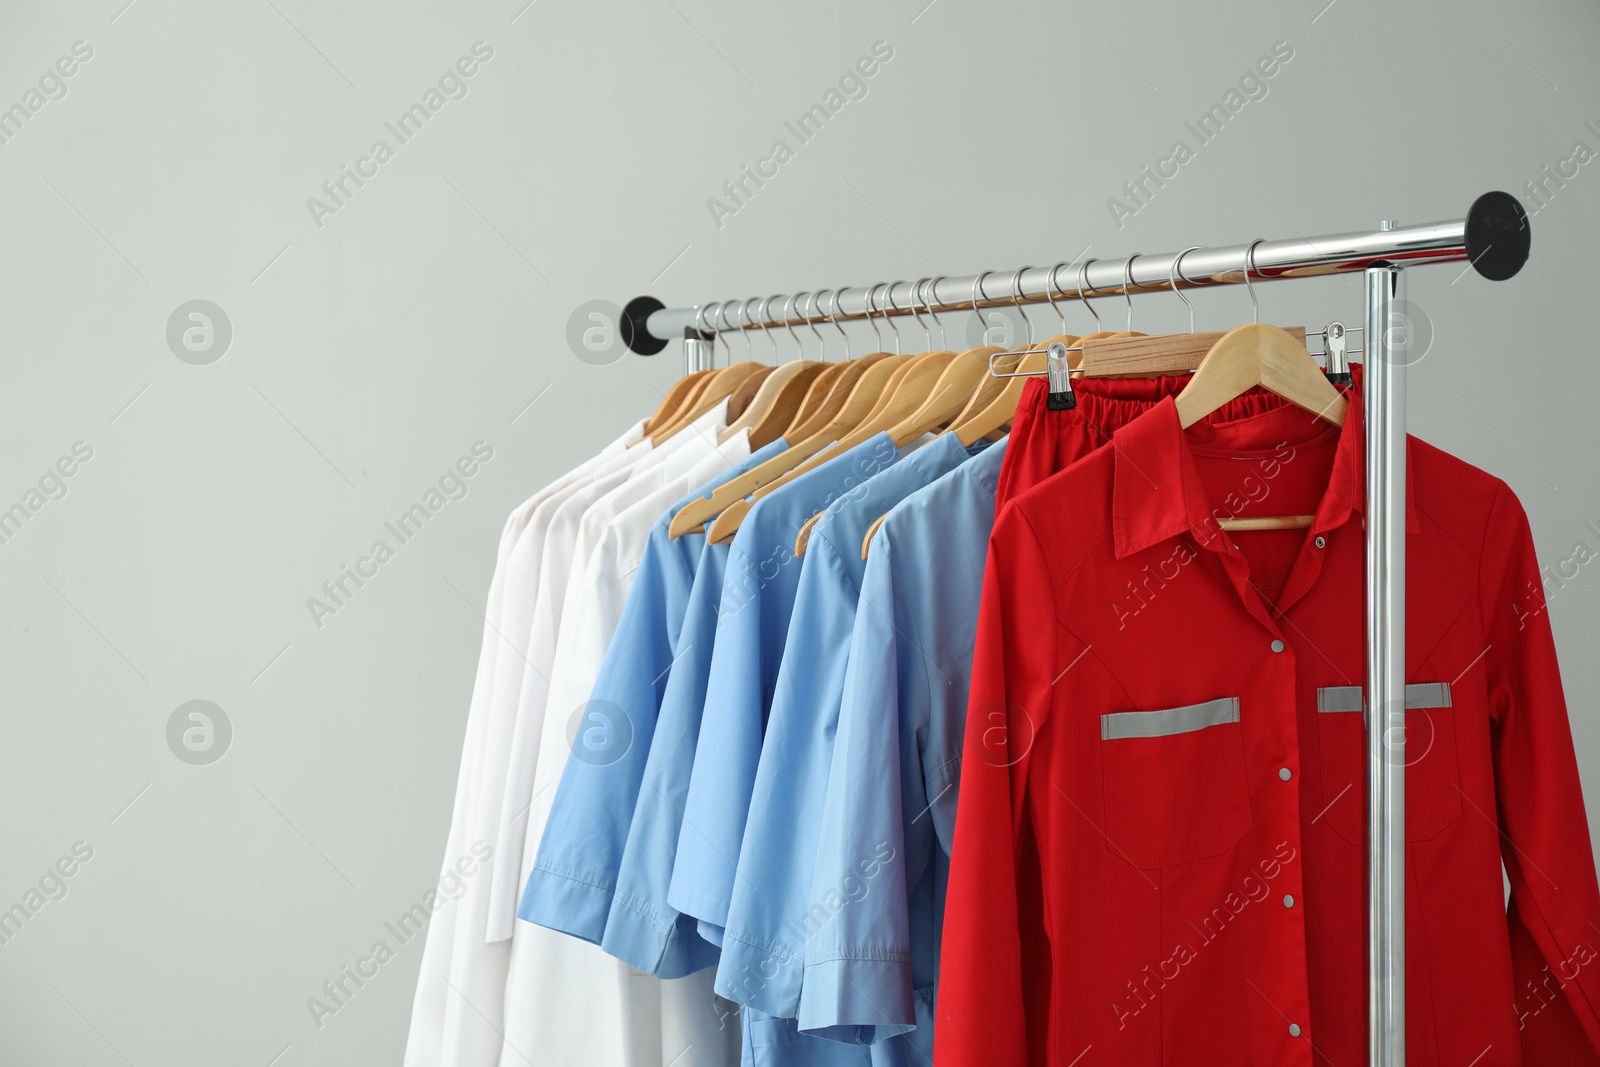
(1159, 854)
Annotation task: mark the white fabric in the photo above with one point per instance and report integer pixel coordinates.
(425, 1043)
(563, 993)
(564, 550)
(473, 1021)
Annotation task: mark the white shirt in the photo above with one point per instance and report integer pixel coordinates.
(425, 1040)
(566, 994)
(473, 1020)
(664, 470)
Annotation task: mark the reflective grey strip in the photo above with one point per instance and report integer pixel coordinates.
(1418, 695)
(1169, 721)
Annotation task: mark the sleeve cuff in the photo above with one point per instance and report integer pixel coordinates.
(655, 944)
(568, 901)
(848, 999)
(763, 976)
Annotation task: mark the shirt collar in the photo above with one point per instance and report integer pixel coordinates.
(1157, 492)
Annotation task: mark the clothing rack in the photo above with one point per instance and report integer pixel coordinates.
(1493, 238)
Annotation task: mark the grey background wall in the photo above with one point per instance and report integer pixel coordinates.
(373, 341)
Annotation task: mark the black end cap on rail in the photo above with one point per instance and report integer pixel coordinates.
(1497, 235)
(635, 334)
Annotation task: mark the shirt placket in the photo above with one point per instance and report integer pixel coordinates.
(1273, 761)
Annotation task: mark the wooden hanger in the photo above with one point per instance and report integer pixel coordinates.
(962, 377)
(900, 395)
(863, 395)
(805, 443)
(674, 400)
(778, 398)
(982, 418)
(1258, 354)
(921, 373)
(745, 394)
(960, 380)
(1138, 356)
(718, 388)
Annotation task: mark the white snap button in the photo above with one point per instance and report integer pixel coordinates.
(1277, 646)
(1285, 773)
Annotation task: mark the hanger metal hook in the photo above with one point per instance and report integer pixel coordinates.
(872, 305)
(977, 291)
(1016, 301)
(702, 320)
(1177, 272)
(1083, 291)
(723, 325)
(927, 302)
(788, 323)
(751, 325)
(744, 327)
(1050, 295)
(888, 300)
(1249, 264)
(1127, 286)
(916, 291)
(766, 324)
(833, 317)
(811, 324)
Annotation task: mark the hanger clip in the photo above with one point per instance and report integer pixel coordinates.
(1333, 342)
(1059, 375)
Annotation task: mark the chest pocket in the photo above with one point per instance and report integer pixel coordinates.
(1433, 799)
(1174, 779)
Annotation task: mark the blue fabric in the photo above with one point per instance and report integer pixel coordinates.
(764, 943)
(889, 814)
(758, 596)
(643, 929)
(575, 874)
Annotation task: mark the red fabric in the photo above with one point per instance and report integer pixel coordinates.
(1044, 442)
(1159, 927)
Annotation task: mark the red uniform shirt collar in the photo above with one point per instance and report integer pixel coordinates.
(1158, 494)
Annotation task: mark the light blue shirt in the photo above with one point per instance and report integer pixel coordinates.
(889, 814)
(758, 596)
(764, 941)
(574, 876)
(643, 928)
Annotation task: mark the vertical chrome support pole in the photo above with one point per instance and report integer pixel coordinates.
(1385, 385)
(697, 355)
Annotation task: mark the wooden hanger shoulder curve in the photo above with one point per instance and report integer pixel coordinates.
(1258, 354)
(674, 400)
(961, 377)
(742, 397)
(802, 455)
(717, 389)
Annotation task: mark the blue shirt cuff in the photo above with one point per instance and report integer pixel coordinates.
(667, 947)
(760, 975)
(566, 900)
(850, 994)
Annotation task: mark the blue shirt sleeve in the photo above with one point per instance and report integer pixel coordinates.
(763, 952)
(644, 929)
(774, 907)
(872, 967)
(858, 956)
(758, 597)
(574, 875)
